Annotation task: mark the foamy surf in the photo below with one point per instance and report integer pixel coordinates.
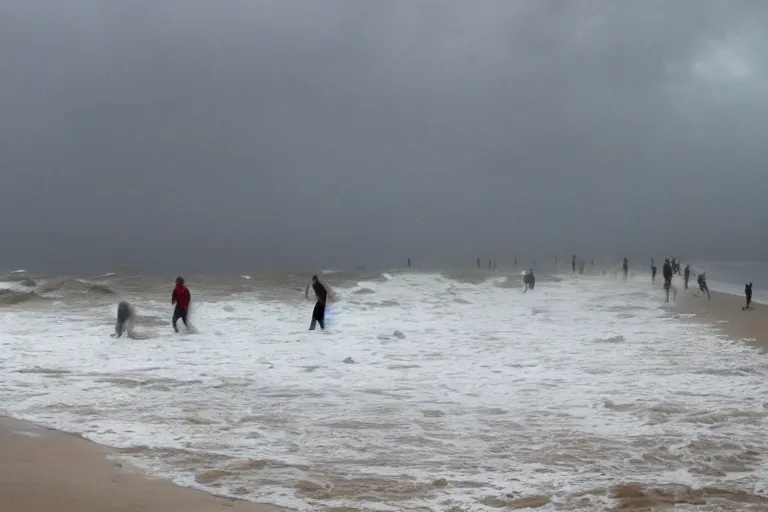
(430, 391)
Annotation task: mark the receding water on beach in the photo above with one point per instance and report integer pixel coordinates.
(429, 391)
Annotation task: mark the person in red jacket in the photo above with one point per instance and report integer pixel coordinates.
(181, 298)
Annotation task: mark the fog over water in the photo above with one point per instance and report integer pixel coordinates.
(198, 136)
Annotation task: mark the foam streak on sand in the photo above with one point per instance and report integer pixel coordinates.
(446, 392)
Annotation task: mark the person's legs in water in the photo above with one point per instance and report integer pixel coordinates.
(318, 317)
(179, 313)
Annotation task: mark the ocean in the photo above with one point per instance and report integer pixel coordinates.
(429, 391)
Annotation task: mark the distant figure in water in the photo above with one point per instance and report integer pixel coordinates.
(573, 263)
(702, 280)
(529, 280)
(321, 294)
(181, 299)
(125, 317)
(581, 267)
(667, 271)
(653, 271)
(687, 275)
(625, 268)
(748, 294)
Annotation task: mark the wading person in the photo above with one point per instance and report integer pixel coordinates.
(321, 295)
(181, 299)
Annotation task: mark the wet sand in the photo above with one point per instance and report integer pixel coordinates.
(43, 470)
(724, 312)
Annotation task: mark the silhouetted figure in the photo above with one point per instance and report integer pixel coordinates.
(748, 294)
(581, 267)
(687, 275)
(653, 271)
(702, 280)
(489, 264)
(625, 268)
(667, 271)
(573, 263)
(321, 294)
(515, 261)
(529, 280)
(409, 262)
(180, 298)
(478, 262)
(125, 316)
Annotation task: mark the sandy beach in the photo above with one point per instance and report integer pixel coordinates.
(724, 312)
(43, 470)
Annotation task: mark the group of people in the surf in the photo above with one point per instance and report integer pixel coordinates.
(671, 268)
(181, 298)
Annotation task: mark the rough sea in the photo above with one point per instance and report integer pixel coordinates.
(429, 391)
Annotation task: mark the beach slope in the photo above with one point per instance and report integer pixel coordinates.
(725, 312)
(43, 470)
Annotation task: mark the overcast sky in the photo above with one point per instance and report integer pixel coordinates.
(244, 134)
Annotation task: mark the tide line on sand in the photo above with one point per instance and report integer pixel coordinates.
(44, 478)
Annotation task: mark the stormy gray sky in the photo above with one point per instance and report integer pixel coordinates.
(245, 134)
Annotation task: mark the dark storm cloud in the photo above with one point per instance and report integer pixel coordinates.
(244, 134)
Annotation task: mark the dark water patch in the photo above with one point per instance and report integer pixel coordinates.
(264, 420)
(715, 418)
(612, 339)
(199, 420)
(52, 286)
(726, 372)
(44, 371)
(512, 502)
(234, 382)
(636, 496)
(15, 298)
(361, 425)
(610, 404)
(402, 366)
(99, 289)
(159, 384)
(376, 488)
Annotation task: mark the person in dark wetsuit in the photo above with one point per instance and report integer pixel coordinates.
(748, 294)
(687, 275)
(702, 280)
(529, 280)
(573, 263)
(653, 271)
(668, 271)
(181, 299)
(125, 316)
(318, 313)
(625, 268)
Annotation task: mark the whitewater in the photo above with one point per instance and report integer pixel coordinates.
(428, 391)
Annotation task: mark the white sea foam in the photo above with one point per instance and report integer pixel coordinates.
(426, 391)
